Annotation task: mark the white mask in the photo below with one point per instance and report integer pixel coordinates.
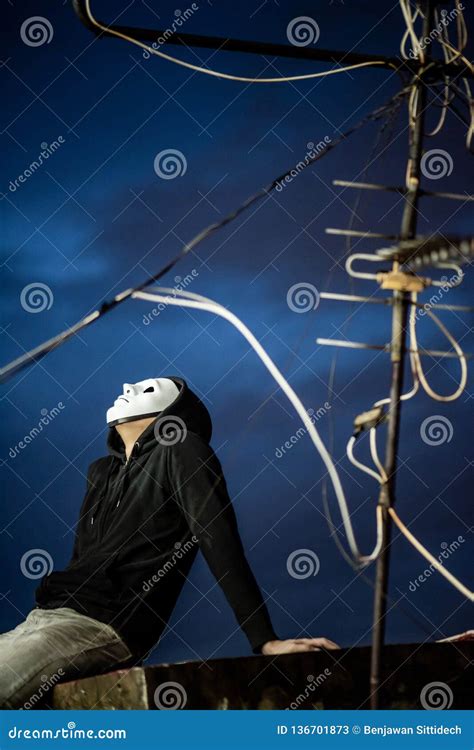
(144, 399)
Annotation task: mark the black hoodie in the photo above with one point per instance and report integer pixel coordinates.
(141, 524)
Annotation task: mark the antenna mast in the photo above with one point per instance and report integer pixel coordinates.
(398, 358)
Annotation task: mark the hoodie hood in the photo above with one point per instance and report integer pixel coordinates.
(186, 414)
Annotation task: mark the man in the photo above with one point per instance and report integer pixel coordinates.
(149, 505)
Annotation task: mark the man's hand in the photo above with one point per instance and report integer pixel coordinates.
(294, 645)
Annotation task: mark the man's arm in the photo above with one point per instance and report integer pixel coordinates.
(199, 488)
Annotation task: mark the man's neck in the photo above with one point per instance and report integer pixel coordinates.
(131, 431)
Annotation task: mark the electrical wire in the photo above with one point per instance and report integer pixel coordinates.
(452, 54)
(407, 34)
(375, 456)
(196, 301)
(358, 464)
(35, 354)
(410, 21)
(399, 523)
(428, 556)
(458, 55)
(418, 378)
(417, 360)
(470, 102)
(444, 111)
(219, 74)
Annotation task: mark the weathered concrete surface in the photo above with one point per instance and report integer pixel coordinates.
(124, 689)
(320, 680)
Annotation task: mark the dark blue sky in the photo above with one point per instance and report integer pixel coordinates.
(95, 218)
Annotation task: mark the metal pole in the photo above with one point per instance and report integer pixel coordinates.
(398, 348)
(242, 45)
(316, 54)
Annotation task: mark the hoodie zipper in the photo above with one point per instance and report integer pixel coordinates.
(104, 509)
(95, 517)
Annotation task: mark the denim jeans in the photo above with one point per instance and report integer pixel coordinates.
(51, 646)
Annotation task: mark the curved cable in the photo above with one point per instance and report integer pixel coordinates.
(375, 455)
(196, 301)
(358, 464)
(417, 359)
(444, 111)
(217, 73)
(410, 20)
(428, 556)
